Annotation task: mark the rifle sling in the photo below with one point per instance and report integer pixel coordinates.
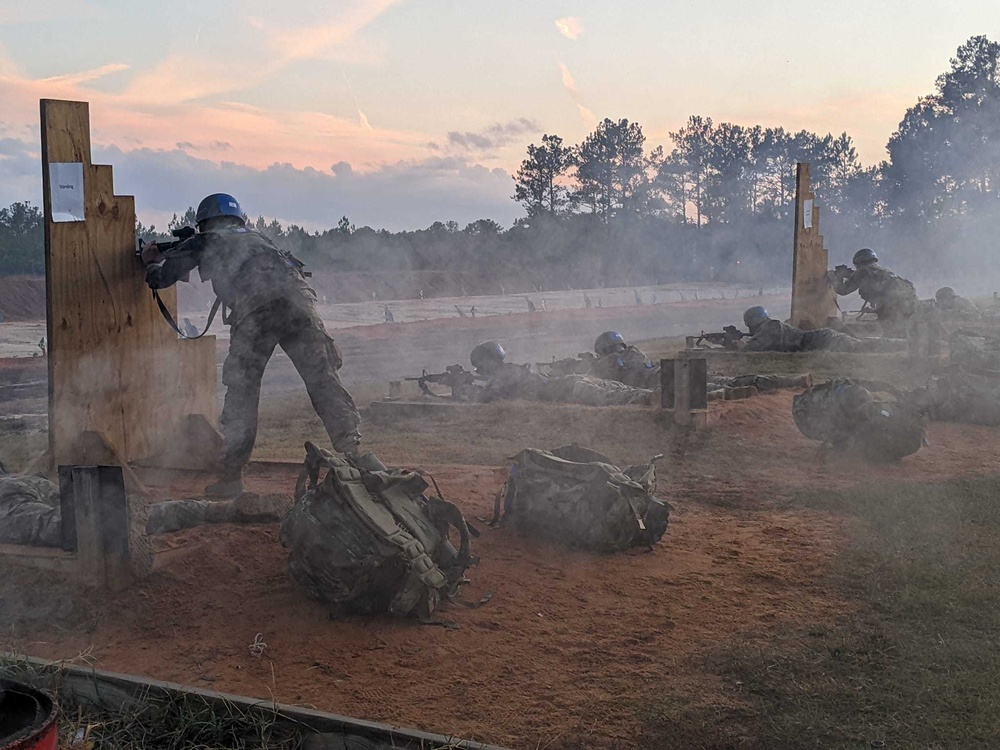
(173, 323)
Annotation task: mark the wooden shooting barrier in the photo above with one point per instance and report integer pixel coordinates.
(122, 386)
(684, 388)
(813, 299)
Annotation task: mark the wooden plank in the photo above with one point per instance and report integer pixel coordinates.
(682, 391)
(115, 691)
(813, 299)
(698, 383)
(100, 518)
(115, 367)
(39, 558)
(667, 383)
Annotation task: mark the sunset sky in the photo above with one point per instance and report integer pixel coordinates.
(398, 113)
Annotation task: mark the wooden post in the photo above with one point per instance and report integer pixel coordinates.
(684, 386)
(682, 391)
(95, 523)
(115, 367)
(813, 299)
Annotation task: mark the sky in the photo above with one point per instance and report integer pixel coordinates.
(399, 113)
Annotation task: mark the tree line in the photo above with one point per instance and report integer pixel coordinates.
(718, 204)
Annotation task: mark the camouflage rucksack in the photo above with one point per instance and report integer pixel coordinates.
(371, 541)
(579, 497)
(876, 421)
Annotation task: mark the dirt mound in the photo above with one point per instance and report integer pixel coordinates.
(22, 297)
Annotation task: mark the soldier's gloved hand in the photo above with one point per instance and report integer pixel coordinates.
(151, 253)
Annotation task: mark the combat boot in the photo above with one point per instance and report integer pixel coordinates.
(230, 484)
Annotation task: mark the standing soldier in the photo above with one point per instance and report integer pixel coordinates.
(270, 305)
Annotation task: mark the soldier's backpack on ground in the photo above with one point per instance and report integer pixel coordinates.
(372, 541)
(579, 497)
(29, 511)
(876, 422)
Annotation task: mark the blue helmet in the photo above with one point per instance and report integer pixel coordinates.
(755, 316)
(486, 353)
(864, 256)
(216, 206)
(609, 342)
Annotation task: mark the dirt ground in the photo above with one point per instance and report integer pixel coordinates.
(571, 645)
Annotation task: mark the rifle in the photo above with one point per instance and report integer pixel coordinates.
(455, 377)
(182, 234)
(726, 337)
(839, 274)
(579, 365)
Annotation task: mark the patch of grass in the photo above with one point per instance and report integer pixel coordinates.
(154, 721)
(914, 664)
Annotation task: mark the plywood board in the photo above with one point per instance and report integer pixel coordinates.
(115, 366)
(813, 299)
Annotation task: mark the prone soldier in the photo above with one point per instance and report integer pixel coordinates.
(769, 335)
(505, 380)
(618, 360)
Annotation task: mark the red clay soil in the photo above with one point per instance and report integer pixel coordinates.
(22, 297)
(561, 657)
(571, 644)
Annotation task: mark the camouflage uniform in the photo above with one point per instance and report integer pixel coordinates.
(760, 382)
(517, 381)
(846, 415)
(271, 305)
(975, 351)
(30, 512)
(962, 396)
(891, 297)
(775, 336)
(631, 367)
(634, 368)
(957, 308)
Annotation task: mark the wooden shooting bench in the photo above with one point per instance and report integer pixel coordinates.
(122, 387)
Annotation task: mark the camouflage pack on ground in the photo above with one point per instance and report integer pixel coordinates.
(975, 351)
(29, 511)
(961, 394)
(579, 497)
(877, 423)
(372, 541)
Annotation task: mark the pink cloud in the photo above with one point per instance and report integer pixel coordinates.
(570, 27)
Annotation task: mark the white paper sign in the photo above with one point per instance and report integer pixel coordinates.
(66, 191)
(807, 213)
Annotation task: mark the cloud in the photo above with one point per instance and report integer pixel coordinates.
(314, 41)
(86, 76)
(195, 73)
(407, 194)
(220, 130)
(570, 27)
(494, 137)
(570, 85)
(362, 117)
